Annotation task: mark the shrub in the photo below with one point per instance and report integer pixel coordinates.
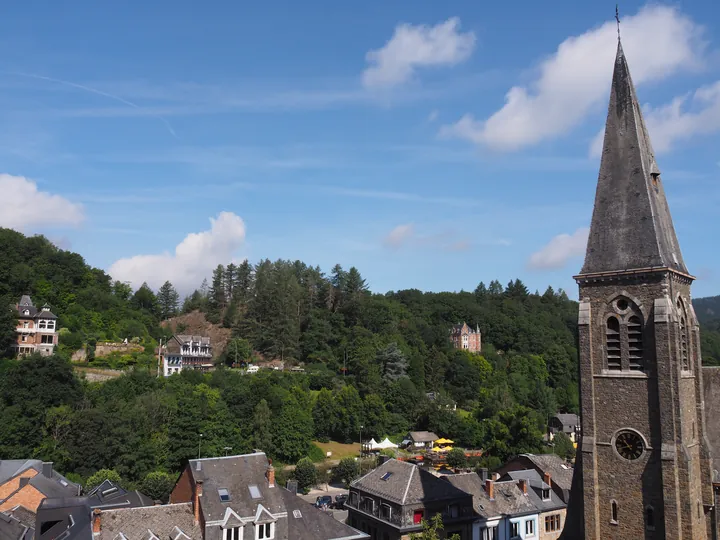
(456, 458)
(316, 454)
(305, 473)
(102, 475)
(157, 485)
(346, 471)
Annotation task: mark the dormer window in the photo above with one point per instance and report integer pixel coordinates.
(234, 533)
(26, 312)
(546, 494)
(265, 531)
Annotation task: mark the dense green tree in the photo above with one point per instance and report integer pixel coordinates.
(306, 474)
(263, 428)
(157, 485)
(238, 351)
(347, 470)
(456, 458)
(325, 415)
(168, 301)
(432, 530)
(8, 324)
(217, 298)
(563, 446)
(392, 362)
(292, 431)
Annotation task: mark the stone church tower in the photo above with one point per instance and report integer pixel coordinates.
(643, 469)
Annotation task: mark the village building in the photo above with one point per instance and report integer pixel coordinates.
(464, 337)
(551, 466)
(186, 352)
(569, 424)
(391, 502)
(167, 521)
(236, 498)
(109, 495)
(37, 330)
(419, 440)
(26, 482)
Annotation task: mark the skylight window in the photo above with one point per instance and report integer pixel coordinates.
(254, 492)
(224, 494)
(386, 476)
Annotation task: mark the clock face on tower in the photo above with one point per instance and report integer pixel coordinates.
(629, 445)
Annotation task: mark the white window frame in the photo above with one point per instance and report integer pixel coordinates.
(261, 526)
(227, 533)
(529, 528)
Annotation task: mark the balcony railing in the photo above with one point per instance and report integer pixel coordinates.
(35, 330)
(394, 518)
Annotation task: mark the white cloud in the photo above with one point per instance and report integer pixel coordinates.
(673, 121)
(24, 207)
(194, 258)
(433, 116)
(400, 236)
(412, 47)
(406, 235)
(658, 40)
(560, 250)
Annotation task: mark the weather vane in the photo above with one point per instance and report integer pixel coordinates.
(617, 18)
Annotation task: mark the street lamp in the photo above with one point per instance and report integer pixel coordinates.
(361, 452)
(199, 443)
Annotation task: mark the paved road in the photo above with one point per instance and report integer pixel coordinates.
(340, 515)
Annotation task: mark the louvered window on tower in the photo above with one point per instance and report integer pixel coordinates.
(635, 343)
(684, 345)
(612, 338)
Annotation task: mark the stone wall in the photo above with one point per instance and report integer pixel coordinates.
(106, 349)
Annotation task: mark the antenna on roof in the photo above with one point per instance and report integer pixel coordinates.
(617, 18)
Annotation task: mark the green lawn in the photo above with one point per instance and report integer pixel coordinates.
(340, 450)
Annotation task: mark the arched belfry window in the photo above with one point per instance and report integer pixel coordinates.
(684, 352)
(635, 343)
(612, 342)
(624, 336)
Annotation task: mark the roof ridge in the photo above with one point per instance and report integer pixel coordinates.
(407, 488)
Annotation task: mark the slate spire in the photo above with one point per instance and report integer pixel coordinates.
(631, 225)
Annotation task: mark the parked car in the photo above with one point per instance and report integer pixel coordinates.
(323, 500)
(339, 502)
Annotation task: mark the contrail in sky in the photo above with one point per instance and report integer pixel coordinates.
(95, 91)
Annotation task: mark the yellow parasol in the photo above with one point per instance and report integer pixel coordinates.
(443, 442)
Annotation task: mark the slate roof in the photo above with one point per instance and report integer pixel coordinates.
(407, 484)
(559, 470)
(236, 474)
(631, 226)
(71, 514)
(35, 313)
(508, 500)
(423, 436)
(134, 523)
(48, 481)
(534, 493)
(12, 528)
(109, 495)
(185, 338)
(568, 421)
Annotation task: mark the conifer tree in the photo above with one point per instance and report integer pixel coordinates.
(168, 300)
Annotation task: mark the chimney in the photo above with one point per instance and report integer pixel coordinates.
(523, 485)
(495, 476)
(197, 493)
(47, 469)
(490, 488)
(96, 524)
(548, 479)
(483, 473)
(270, 474)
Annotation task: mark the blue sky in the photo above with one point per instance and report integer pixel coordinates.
(431, 145)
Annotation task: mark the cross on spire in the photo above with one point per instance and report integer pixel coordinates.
(617, 18)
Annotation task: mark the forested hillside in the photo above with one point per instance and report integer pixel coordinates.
(369, 359)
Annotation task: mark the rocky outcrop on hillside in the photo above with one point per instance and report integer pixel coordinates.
(196, 324)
